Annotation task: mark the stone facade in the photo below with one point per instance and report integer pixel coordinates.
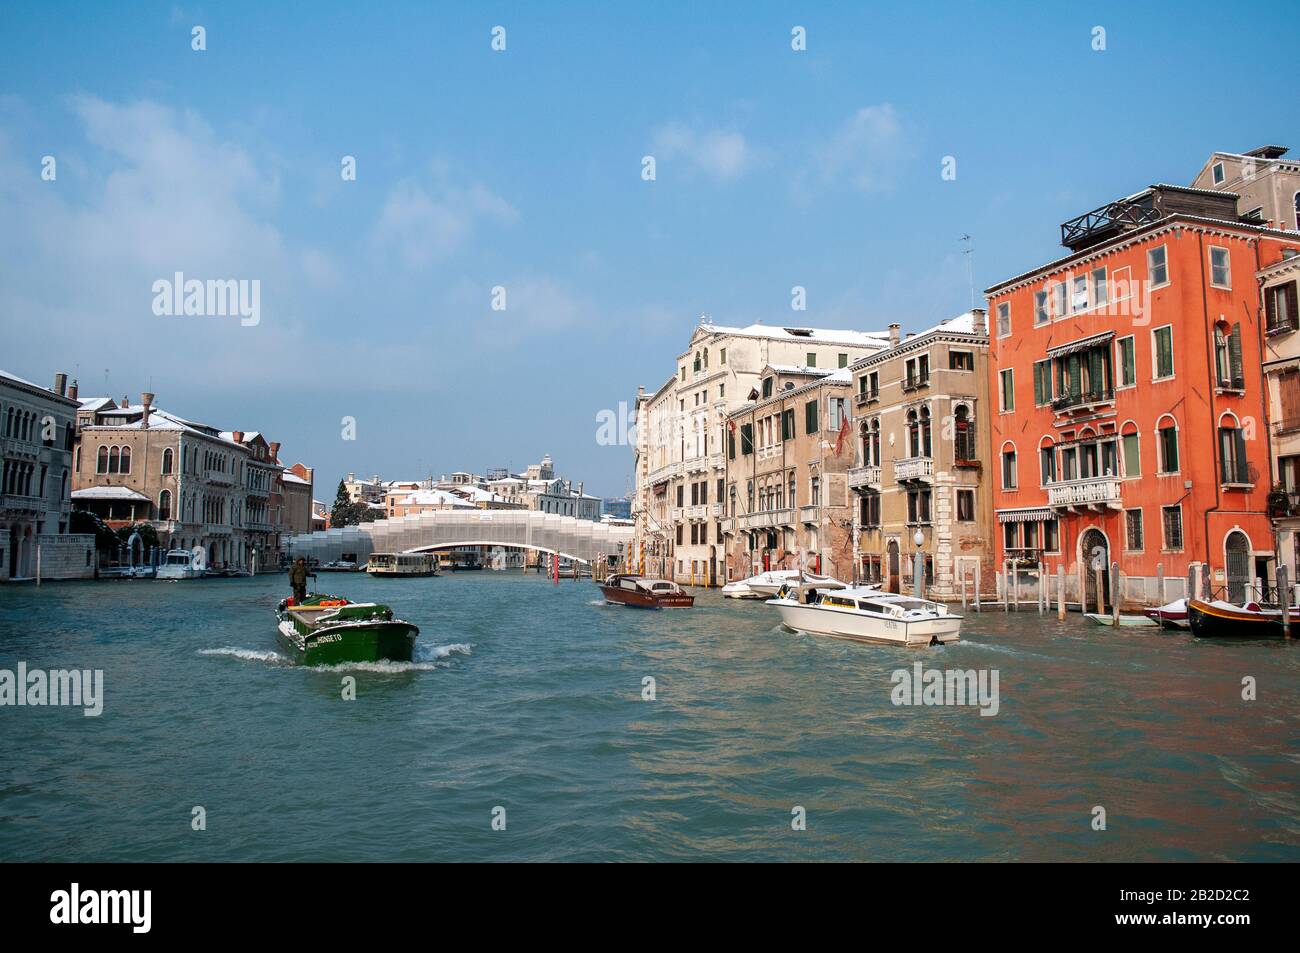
(786, 503)
(37, 435)
(680, 434)
(920, 461)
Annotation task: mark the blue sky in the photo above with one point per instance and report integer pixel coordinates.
(522, 169)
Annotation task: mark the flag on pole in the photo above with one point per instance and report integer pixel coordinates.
(844, 432)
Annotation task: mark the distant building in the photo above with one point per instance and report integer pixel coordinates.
(619, 507)
(39, 429)
(1266, 184)
(297, 486)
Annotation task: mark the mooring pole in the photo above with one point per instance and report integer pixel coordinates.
(1284, 599)
(1114, 594)
(977, 586)
(1060, 591)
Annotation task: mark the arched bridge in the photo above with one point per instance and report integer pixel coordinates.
(582, 540)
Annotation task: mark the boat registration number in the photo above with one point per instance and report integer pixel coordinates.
(322, 639)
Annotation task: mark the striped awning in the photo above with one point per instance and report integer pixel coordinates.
(1080, 345)
(1030, 515)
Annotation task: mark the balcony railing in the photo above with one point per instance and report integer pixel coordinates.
(1101, 223)
(865, 397)
(22, 502)
(916, 381)
(765, 518)
(914, 468)
(864, 476)
(811, 514)
(219, 476)
(1094, 492)
(1284, 326)
(1086, 398)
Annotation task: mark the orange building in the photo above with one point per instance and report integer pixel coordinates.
(1128, 416)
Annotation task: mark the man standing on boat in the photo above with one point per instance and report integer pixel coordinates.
(298, 579)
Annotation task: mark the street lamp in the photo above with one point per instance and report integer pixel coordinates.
(919, 539)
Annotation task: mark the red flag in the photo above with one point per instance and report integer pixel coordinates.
(731, 425)
(844, 432)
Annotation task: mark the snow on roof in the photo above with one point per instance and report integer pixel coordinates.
(962, 324)
(435, 498)
(94, 403)
(799, 369)
(109, 493)
(290, 477)
(795, 333)
(15, 377)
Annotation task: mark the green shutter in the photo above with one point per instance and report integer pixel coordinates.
(810, 417)
(1234, 356)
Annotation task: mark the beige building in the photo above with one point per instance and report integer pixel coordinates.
(787, 503)
(1266, 183)
(37, 436)
(1278, 285)
(298, 482)
(922, 459)
(680, 434)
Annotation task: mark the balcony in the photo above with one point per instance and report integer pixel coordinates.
(1281, 326)
(1106, 222)
(865, 398)
(863, 477)
(916, 382)
(767, 518)
(1083, 401)
(219, 477)
(914, 468)
(729, 525)
(21, 503)
(811, 515)
(677, 514)
(697, 511)
(1095, 493)
(1024, 556)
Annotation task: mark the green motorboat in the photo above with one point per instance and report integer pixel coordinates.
(327, 630)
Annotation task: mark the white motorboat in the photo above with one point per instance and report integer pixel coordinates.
(863, 614)
(183, 564)
(767, 584)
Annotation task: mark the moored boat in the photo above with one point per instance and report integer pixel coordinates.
(412, 565)
(338, 565)
(864, 614)
(1224, 620)
(1171, 615)
(767, 584)
(327, 630)
(182, 564)
(633, 590)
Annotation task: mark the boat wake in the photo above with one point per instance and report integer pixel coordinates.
(248, 655)
(427, 659)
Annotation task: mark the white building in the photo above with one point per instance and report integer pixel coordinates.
(680, 461)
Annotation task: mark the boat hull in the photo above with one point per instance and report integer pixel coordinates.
(1209, 620)
(350, 642)
(616, 595)
(402, 574)
(856, 627)
(739, 590)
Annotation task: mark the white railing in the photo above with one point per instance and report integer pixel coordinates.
(864, 476)
(914, 468)
(1094, 490)
(811, 514)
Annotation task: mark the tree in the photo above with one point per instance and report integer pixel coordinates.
(342, 513)
(84, 521)
(363, 513)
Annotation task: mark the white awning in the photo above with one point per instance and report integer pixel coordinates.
(1096, 340)
(109, 493)
(1030, 515)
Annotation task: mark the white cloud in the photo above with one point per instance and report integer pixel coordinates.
(421, 228)
(864, 151)
(721, 154)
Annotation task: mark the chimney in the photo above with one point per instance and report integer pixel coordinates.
(893, 333)
(979, 321)
(238, 435)
(72, 390)
(146, 401)
(61, 384)
(275, 452)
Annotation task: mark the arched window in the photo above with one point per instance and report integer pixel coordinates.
(101, 461)
(1167, 444)
(925, 432)
(1046, 461)
(1297, 211)
(913, 434)
(1232, 451)
(167, 461)
(165, 505)
(1010, 475)
(1130, 450)
(126, 459)
(114, 459)
(963, 434)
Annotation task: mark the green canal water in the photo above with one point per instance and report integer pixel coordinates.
(528, 696)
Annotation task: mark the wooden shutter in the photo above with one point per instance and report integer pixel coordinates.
(1234, 357)
(1289, 393)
